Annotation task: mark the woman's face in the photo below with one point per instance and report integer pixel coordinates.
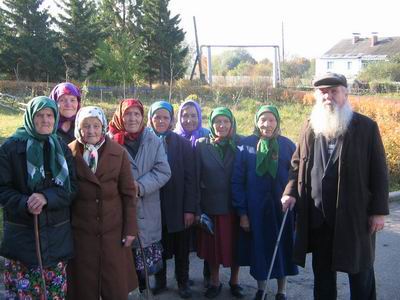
(189, 118)
(91, 130)
(222, 126)
(44, 121)
(267, 124)
(132, 119)
(161, 120)
(68, 105)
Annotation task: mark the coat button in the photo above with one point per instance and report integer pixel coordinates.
(97, 200)
(98, 218)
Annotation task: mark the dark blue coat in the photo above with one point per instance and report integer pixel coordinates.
(259, 197)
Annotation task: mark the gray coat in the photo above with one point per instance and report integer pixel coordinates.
(151, 170)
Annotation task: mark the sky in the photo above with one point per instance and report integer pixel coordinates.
(311, 27)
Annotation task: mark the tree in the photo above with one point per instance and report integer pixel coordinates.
(229, 60)
(163, 50)
(81, 32)
(296, 67)
(30, 51)
(118, 58)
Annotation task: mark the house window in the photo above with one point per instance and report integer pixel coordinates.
(349, 65)
(329, 65)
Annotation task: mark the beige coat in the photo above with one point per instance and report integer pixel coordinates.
(103, 212)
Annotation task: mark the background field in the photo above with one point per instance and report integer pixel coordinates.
(293, 108)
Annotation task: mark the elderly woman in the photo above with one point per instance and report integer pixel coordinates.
(37, 183)
(103, 213)
(259, 178)
(178, 198)
(68, 98)
(215, 156)
(149, 164)
(189, 122)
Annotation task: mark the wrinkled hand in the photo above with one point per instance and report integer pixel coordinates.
(245, 223)
(188, 219)
(137, 188)
(288, 202)
(128, 240)
(35, 203)
(376, 223)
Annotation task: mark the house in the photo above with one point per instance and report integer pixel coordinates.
(350, 56)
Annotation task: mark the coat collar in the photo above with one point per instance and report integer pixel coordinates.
(110, 150)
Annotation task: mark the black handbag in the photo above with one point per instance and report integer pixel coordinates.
(206, 223)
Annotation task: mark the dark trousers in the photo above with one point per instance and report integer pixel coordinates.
(175, 245)
(362, 284)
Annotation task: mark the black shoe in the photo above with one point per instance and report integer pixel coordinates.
(259, 295)
(213, 291)
(280, 296)
(159, 287)
(185, 292)
(236, 290)
(190, 282)
(206, 282)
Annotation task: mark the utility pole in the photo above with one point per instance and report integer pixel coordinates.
(283, 44)
(198, 56)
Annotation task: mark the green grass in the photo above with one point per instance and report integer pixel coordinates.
(292, 117)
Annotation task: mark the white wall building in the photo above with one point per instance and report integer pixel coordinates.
(350, 56)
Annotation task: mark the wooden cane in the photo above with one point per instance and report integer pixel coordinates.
(146, 272)
(39, 255)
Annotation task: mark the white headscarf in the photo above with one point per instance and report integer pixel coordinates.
(90, 153)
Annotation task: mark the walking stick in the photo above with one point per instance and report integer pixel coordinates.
(146, 271)
(275, 250)
(39, 254)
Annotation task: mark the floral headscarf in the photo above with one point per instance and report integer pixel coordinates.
(199, 131)
(66, 88)
(116, 125)
(90, 152)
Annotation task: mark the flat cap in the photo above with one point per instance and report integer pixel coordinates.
(329, 80)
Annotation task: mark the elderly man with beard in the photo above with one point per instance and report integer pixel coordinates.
(339, 187)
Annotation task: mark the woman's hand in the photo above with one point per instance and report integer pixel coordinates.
(288, 202)
(245, 223)
(128, 240)
(35, 203)
(188, 219)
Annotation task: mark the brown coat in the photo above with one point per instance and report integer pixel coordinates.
(362, 192)
(103, 212)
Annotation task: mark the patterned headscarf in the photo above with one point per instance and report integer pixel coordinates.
(199, 131)
(267, 148)
(229, 140)
(35, 143)
(90, 152)
(160, 105)
(116, 126)
(66, 88)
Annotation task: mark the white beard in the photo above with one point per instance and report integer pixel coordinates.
(330, 123)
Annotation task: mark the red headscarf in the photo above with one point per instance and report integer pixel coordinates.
(116, 125)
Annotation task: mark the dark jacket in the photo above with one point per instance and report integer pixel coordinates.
(54, 221)
(362, 192)
(214, 178)
(103, 213)
(179, 194)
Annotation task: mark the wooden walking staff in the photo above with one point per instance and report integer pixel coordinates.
(39, 256)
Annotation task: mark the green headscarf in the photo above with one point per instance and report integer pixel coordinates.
(35, 143)
(221, 143)
(267, 148)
